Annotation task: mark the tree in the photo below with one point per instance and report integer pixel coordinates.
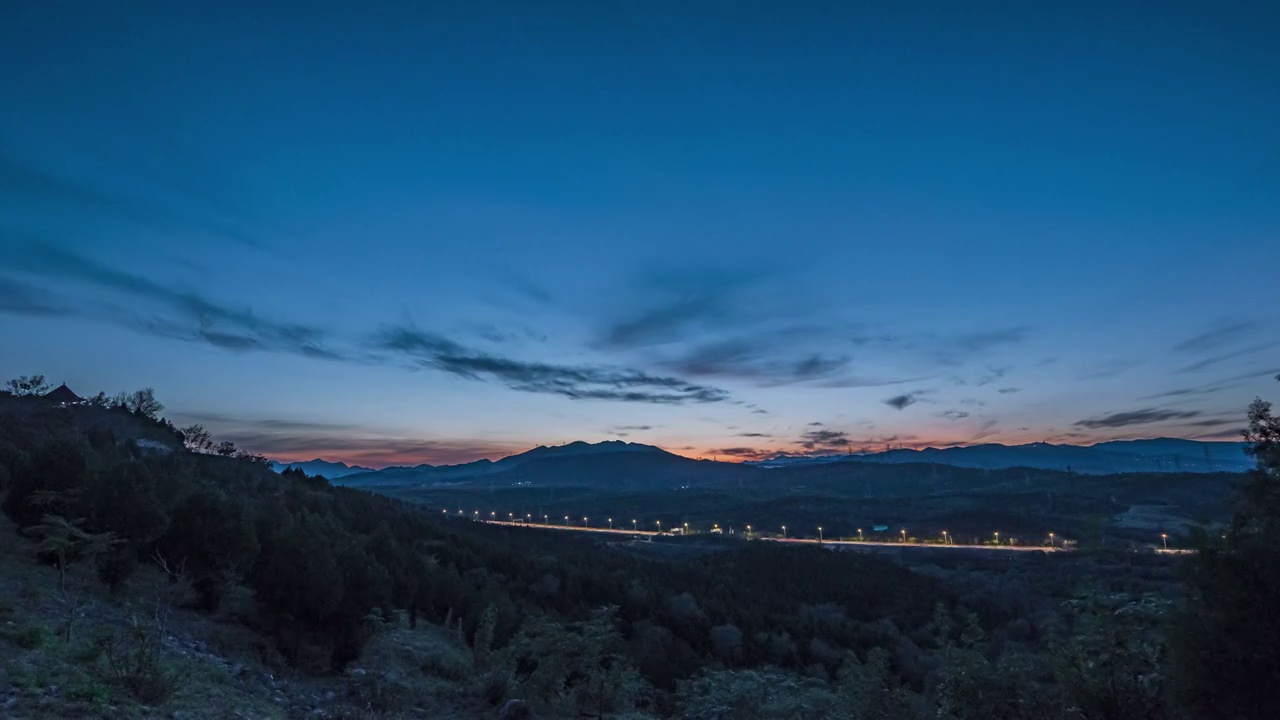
(26, 386)
(66, 542)
(1110, 665)
(143, 402)
(197, 439)
(1227, 634)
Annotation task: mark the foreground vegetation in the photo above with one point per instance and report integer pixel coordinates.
(399, 612)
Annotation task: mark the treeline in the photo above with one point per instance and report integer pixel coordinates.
(753, 631)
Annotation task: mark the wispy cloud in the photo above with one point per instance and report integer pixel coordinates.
(953, 414)
(21, 299)
(423, 349)
(35, 184)
(1218, 337)
(1225, 357)
(1136, 417)
(1009, 390)
(1212, 387)
(182, 315)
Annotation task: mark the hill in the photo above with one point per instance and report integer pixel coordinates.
(1121, 456)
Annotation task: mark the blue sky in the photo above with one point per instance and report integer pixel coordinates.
(382, 234)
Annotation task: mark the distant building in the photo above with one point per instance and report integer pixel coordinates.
(62, 395)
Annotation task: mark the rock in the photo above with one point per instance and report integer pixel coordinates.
(515, 710)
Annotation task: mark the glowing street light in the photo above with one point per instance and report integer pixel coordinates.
(493, 515)
(944, 538)
(659, 525)
(634, 527)
(1164, 538)
(544, 520)
(1051, 542)
(904, 535)
(566, 521)
(784, 532)
(819, 534)
(584, 521)
(511, 517)
(610, 523)
(997, 538)
(748, 531)
(859, 533)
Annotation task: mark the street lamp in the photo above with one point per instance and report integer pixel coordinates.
(859, 534)
(819, 534)
(511, 517)
(997, 538)
(610, 523)
(584, 521)
(944, 538)
(686, 528)
(659, 526)
(784, 532)
(748, 531)
(904, 536)
(634, 527)
(544, 520)
(1164, 538)
(1051, 543)
(566, 521)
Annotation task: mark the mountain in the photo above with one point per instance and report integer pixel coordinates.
(331, 470)
(583, 452)
(1117, 456)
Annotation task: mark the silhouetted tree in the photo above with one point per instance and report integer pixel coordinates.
(143, 402)
(25, 386)
(1227, 639)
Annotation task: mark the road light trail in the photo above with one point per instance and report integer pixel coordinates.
(794, 541)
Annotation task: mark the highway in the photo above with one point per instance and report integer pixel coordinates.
(798, 541)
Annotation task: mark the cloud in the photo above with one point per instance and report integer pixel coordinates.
(38, 185)
(1237, 434)
(981, 341)
(900, 402)
(743, 452)
(1218, 359)
(986, 429)
(823, 439)
(754, 435)
(189, 316)
(953, 414)
(21, 299)
(743, 359)
(1213, 423)
(424, 349)
(1009, 390)
(1212, 387)
(1218, 337)
(675, 304)
(1107, 369)
(993, 374)
(1136, 417)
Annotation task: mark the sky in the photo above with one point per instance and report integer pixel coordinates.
(432, 232)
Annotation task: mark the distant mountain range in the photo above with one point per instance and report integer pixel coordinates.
(1117, 456)
(331, 470)
(626, 466)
